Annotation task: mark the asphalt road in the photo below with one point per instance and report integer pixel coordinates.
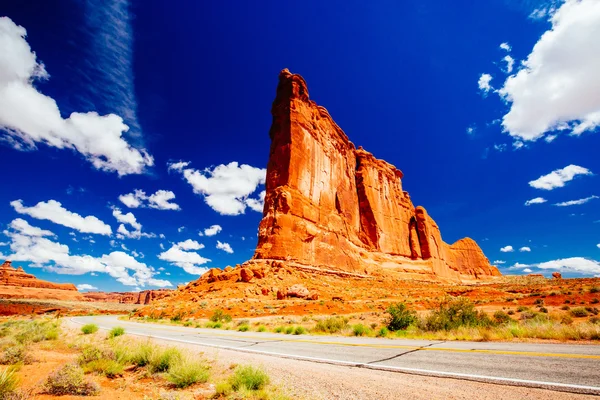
(564, 367)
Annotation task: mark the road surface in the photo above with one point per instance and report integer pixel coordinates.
(564, 367)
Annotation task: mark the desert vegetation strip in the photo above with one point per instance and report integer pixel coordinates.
(388, 346)
(91, 359)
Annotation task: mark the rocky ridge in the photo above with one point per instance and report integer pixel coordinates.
(335, 219)
(11, 276)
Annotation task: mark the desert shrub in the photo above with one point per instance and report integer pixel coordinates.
(8, 383)
(299, 330)
(400, 317)
(565, 308)
(243, 328)
(93, 353)
(522, 308)
(142, 354)
(456, 313)
(543, 310)
(177, 317)
(188, 323)
(116, 331)
(220, 316)
(579, 312)
(279, 329)
(161, 359)
(35, 331)
(566, 319)
(69, 380)
(595, 289)
(16, 354)
(89, 328)
(104, 366)
(510, 312)
(261, 328)
(501, 317)
(595, 301)
(248, 377)
(383, 332)
(187, 372)
(359, 330)
(222, 389)
(592, 310)
(595, 320)
(289, 330)
(331, 325)
(539, 302)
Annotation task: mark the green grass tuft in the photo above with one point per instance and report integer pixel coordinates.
(116, 331)
(89, 328)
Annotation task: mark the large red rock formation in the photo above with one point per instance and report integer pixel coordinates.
(10, 276)
(333, 207)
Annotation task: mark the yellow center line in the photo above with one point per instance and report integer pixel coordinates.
(385, 346)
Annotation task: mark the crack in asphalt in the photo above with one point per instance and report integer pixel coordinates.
(405, 353)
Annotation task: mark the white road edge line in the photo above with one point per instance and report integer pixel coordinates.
(414, 371)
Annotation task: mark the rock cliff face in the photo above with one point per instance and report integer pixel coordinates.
(331, 206)
(10, 276)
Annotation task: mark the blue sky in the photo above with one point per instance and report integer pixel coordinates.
(484, 106)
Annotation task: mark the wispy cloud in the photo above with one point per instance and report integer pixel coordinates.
(105, 72)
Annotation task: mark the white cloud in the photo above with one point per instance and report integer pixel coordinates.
(28, 245)
(213, 230)
(558, 84)
(470, 130)
(537, 200)
(510, 62)
(28, 117)
(507, 249)
(85, 286)
(499, 262)
(160, 200)
(128, 218)
(550, 138)
(500, 147)
(257, 204)
(484, 83)
(190, 261)
(53, 211)
(559, 177)
(527, 270)
(225, 247)
(225, 188)
(525, 249)
(24, 227)
(517, 144)
(576, 202)
(190, 244)
(505, 46)
(177, 166)
(598, 245)
(181, 229)
(578, 265)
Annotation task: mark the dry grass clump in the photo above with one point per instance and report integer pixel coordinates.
(70, 380)
(186, 372)
(331, 325)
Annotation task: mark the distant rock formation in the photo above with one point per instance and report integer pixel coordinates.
(143, 297)
(331, 206)
(10, 276)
